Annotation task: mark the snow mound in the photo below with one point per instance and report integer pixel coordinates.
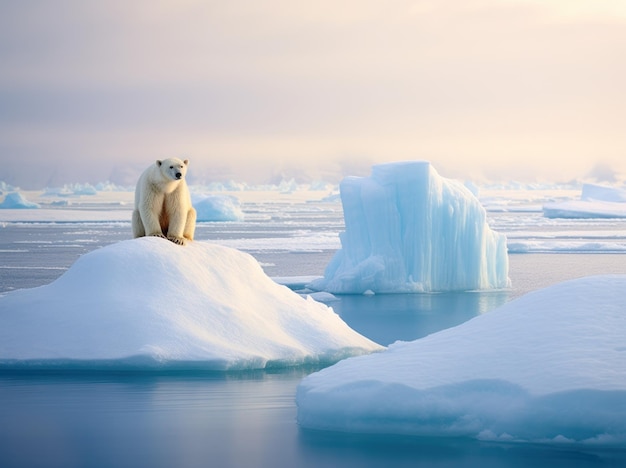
(16, 200)
(410, 230)
(596, 201)
(148, 303)
(548, 367)
(218, 208)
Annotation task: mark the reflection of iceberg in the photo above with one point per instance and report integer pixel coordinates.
(147, 303)
(408, 229)
(16, 200)
(596, 201)
(407, 317)
(547, 367)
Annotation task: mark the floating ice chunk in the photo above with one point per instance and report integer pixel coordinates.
(596, 201)
(16, 200)
(603, 193)
(148, 303)
(410, 230)
(584, 209)
(218, 208)
(547, 367)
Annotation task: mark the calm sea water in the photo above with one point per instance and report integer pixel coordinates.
(244, 419)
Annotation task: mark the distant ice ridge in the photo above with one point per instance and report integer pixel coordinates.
(410, 230)
(549, 367)
(149, 304)
(15, 200)
(596, 201)
(70, 190)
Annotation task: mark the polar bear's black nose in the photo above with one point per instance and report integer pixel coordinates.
(178, 175)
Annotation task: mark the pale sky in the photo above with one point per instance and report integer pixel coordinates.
(252, 90)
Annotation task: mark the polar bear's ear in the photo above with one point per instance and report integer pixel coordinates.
(159, 162)
(186, 161)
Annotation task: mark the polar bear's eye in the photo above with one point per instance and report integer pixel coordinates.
(171, 167)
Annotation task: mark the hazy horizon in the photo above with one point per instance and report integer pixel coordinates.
(493, 90)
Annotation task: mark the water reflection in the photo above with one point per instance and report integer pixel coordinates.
(386, 451)
(385, 318)
(126, 420)
(221, 420)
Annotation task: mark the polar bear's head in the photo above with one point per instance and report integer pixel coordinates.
(173, 168)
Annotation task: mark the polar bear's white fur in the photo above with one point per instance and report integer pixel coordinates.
(163, 204)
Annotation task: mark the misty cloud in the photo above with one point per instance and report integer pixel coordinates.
(251, 88)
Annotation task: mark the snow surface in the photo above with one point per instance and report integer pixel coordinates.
(547, 367)
(410, 230)
(218, 208)
(15, 200)
(148, 303)
(596, 201)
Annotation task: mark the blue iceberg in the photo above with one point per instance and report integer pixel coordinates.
(16, 201)
(218, 208)
(407, 229)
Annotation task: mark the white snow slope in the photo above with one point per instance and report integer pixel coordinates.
(547, 367)
(148, 303)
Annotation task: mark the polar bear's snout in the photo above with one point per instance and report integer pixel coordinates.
(178, 175)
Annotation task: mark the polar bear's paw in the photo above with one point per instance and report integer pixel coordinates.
(157, 234)
(177, 240)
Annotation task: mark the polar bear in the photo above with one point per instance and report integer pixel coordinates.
(162, 202)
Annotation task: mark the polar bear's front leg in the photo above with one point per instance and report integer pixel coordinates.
(180, 240)
(176, 217)
(150, 213)
(188, 231)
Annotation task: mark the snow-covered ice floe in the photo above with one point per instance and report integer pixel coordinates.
(596, 201)
(410, 230)
(150, 304)
(549, 367)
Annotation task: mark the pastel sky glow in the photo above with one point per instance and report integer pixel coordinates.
(248, 90)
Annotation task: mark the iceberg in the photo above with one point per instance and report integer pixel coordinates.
(407, 229)
(549, 367)
(596, 201)
(603, 193)
(15, 200)
(149, 304)
(218, 208)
